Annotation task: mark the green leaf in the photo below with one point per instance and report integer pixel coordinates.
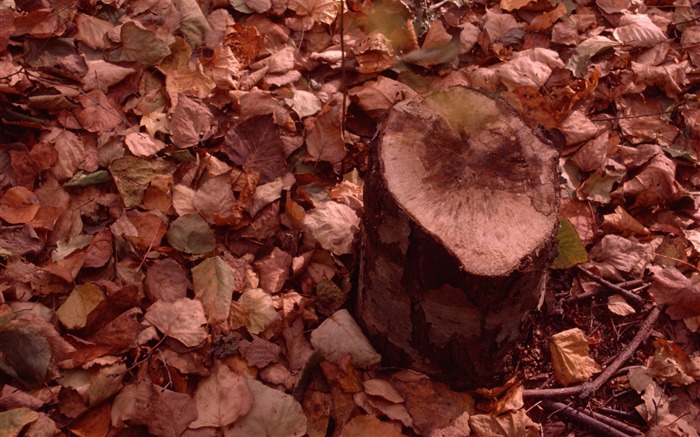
(570, 250)
(84, 179)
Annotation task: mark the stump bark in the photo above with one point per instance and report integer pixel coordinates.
(461, 212)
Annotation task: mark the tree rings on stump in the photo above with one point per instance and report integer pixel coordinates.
(461, 213)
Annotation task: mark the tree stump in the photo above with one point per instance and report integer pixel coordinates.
(461, 212)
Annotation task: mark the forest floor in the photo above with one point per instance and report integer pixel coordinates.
(181, 194)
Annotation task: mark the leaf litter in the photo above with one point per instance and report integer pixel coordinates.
(180, 209)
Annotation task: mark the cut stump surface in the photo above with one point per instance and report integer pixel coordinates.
(461, 210)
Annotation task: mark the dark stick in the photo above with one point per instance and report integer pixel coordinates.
(611, 286)
(584, 419)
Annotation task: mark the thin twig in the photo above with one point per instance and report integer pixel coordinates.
(624, 117)
(581, 418)
(611, 286)
(588, 388)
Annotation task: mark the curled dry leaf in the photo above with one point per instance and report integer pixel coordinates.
(570, 360)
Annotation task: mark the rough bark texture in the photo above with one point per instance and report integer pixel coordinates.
(461, 208)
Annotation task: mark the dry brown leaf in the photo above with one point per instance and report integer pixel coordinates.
(255, 143)
(670, 287)
(18, 205)
(221, 398)
(192, 122)
(260, 353)
(512, 424)
(361, 426)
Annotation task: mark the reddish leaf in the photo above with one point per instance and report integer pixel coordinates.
(255, 143)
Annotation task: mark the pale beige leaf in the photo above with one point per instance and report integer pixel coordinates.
(182, 320)
(141, 144)
(339, 335)
(570, 360)
(221, 398)
(334, 226)
(274, 413)
(639, 31)
(618, 305)
(183, 199)
(261, 310)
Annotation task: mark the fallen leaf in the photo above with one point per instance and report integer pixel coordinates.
(361, 426)
(670, 287)
(259, 353)
(570, 249)
(141, 144)
(334, 226)
(221, 398)
(671, 364)
(256, 143)
(637, 30)
(13, 421)
(214, 284)
(274, 413)
(132, 176)
(340, 335)
(261, 310)
(19, 205)
(166, 280)
(570, 360)
(512, 424)
(74, 311)
(165, 413)
(192, 123)
(618, 305)
(192, 234)
(140, 45)
(182, 319)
